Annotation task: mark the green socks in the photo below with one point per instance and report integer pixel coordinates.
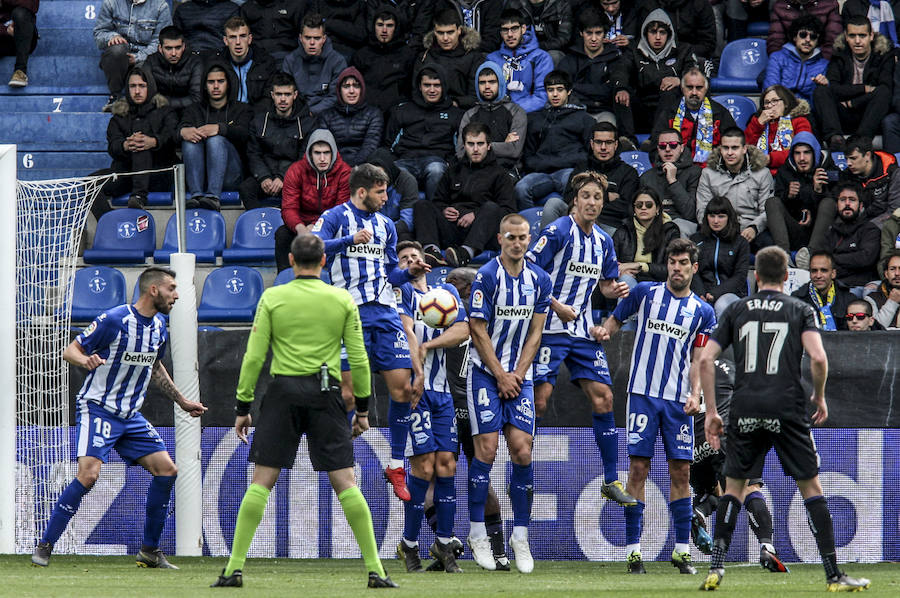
(249, 516)
(356, 510)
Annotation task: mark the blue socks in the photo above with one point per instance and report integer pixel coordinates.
(66, 506)
(398, 416)
(634, 523)
(521, 489)
(157, 508)
(681, 519)
(607, 438)
(414, 508)
(445, 502)
(479, 482)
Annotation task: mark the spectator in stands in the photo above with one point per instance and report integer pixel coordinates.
(315, 65)
(552, 22)
(877, 173)
(647, 79)
(589, 62)
(357, 127)
(853, 240)
(274, 25)
(699, 118)
(675, 178)
(422, 132)
(780, 117)
(799, 61)
(251, 64)
(738, 171)
(18, 36)
(127, 34)
(623, 22)
(141, 136)
(214, 133)
(177, 72)
(739, 13)
(203, 22)
(621, 181)
(278, 137)
(482, 16)
(386, 60)
(724, 257)
(887, 296)
(881, 14)
(641, 243)
(785, 12)
(855, 92)
(506, 121)
(402, 193)
(694, 22)
(799, 213)
(472, 197)
(316, 182)
(890, 238)
(557, 138)
(524, 63)
(859, 316)
(455, 48)
(828, 295)
(345, 23)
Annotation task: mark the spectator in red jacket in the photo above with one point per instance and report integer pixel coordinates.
(779, 118)
(18, 35)
(784, 12)
(318, 181)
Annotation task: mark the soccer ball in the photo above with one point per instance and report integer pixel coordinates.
(438, 308)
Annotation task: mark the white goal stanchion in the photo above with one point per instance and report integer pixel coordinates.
(8, 348)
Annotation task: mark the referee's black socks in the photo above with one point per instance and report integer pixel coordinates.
(819, 519)
(726, 518)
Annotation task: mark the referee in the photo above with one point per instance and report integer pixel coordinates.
(304, 322)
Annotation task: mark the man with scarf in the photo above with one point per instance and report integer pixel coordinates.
(853, 239)
(828, 297)
(699, 119)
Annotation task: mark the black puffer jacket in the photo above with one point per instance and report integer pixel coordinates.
(417, 128)
(855, 246)
(345, 22)
(485, 16)
(723, 266)
(694, 21)
(179, 82)
(557, 138)
(274, 24)
(233, 118)
(467, 186)
(879, 69)
(386, 67)
(592, 83)
(625, 242)
(460, 65)
(623, 179)
(153, 118)
(357, 129)
(202, 22)
(277, 142)
(553, 26)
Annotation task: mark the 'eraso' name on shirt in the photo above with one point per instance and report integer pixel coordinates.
(366, 251)
(513, 312)
(584, 269)
(138, 359)
(767, 304)
(667, 329)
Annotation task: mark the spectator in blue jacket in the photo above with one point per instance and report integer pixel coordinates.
(524, 63)
(315, 65)
(357, 127)
(799, 61)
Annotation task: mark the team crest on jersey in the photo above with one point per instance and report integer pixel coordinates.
(477, 298)
(687, 312)
(539, 246)
(317, 226)
(527, 289)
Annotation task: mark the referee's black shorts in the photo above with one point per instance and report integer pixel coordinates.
(750, 438)
(296, 405)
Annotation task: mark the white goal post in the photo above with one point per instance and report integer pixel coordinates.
(8, 349)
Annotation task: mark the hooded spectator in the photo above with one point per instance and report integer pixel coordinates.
(357, 127)
(525, 64)
(693, 20)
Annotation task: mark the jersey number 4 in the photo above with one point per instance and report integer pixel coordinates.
(749, 333)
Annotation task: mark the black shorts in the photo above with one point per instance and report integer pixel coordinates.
(750, 438)
(293, 406)
(464, 433)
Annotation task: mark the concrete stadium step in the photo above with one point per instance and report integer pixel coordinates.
(66, 42)
(75, 13)
(67, 72)
(47, 131)
(53, 103)
(38, 160)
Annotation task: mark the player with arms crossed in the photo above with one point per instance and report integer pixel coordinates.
(579, 256)
(432, 422)
(361, 245)
(673, 325)
(122, 350)
(769, 331)
(507, 311)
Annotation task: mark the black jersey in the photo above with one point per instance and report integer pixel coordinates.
(765, 330)
(457, 363)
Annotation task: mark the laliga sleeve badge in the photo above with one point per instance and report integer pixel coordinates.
(90, 329)
(317, 226)
(539, 246)
(477, 299)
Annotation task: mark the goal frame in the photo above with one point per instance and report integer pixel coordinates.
(8, 349)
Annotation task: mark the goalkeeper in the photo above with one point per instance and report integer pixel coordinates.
(304, 322)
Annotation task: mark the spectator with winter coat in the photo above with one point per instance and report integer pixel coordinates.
(177, 71)
(882, 14)
(357, 127)
(251, 64)
(800, 61)
(693, 20)
(675, 178)
(524, 63)
(386, 60)
(315, 65)
(274, 25)
(552, 22)
(345, 23)
(828, 296)
(877, 172)
(590, 62)
(641, 242)
(780, 117)
(724, 257)
(455, 48)
(203, 22)
(481, 15)
(853, 240)
(18, 36)
(786, 12)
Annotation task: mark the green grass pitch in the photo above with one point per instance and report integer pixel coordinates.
(98, 577)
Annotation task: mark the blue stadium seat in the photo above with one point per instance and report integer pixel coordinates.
(230, 294)
(742, 61)
(839, 159)
(533, 216)
(640, 161)
(125, 236)
(155, 199)
(254, 236)
(63, 131)
(58, 75)
(758, 28)
(740, 107)
(437, 275)
(204, 236)
(97, 289)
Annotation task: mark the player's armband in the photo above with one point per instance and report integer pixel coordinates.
(701, 339)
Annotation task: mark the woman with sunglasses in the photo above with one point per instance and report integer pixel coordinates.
(641, 243)
(780, 117)
(800, 61)
(724, 257)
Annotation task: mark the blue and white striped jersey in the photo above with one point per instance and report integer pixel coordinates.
(508, 304)
(575, 262)
(361, 269)
(435, 360)
(130, 343)
(668, 328)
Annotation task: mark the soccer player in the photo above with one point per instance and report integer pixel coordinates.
(304, 322)
(770, 331)
(361, 245)
(122, 349)
(579, 256)
(507, 311)
(673, 325)
(432, 422)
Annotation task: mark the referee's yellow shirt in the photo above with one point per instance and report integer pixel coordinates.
(304, 321)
